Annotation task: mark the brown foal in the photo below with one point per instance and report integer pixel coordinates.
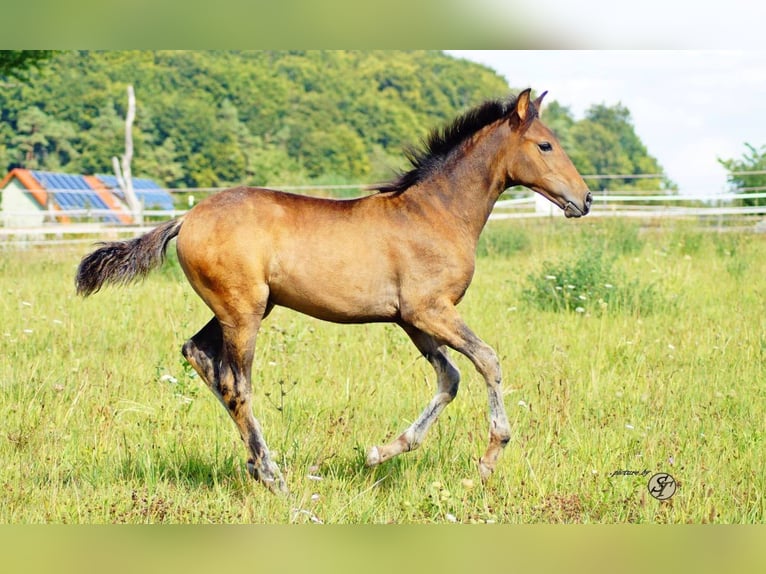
(404, 255)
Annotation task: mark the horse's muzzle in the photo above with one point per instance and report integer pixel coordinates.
(572, 210)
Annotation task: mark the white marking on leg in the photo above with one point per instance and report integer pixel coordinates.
(373, 457)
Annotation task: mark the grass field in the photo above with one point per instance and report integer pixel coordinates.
(103, 422)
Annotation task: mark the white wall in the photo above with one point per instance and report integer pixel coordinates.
(19, 208)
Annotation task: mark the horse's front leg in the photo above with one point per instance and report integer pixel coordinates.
(442, 322)
(447, 382)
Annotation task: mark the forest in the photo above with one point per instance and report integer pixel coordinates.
(208, 119)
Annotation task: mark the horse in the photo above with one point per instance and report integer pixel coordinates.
(403, 254)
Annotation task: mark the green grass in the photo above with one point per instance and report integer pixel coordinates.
(103, 422)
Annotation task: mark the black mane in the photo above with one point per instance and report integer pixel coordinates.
(441, 142)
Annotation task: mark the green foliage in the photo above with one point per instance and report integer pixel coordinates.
(502, 240)
(617, 236)
(17, 63)
(219, 118)
(753, 160)
(685, 240)
(731, 248)
(590, 283)
(605, 143)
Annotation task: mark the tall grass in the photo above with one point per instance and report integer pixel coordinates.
(102, 421)
(591, 283)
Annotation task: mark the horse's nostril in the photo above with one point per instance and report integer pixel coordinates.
(588, 199)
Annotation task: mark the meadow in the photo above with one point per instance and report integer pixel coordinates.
(626, 351)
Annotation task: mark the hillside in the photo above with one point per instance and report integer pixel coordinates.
(217, 118)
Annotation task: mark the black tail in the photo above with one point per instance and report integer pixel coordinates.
(121, 262)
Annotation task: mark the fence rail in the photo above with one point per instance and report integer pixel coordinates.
(622, 204)
(725, 207)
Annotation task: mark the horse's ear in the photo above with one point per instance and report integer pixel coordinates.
(539, 101)
(522, 104)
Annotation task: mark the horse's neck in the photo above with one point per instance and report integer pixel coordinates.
(469, 187)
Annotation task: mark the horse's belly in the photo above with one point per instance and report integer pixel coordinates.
(331, 296)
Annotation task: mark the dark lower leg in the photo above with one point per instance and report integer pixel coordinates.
(203, 351)
(235, 392)
(226, 370)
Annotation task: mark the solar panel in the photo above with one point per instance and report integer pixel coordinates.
(147, 191)
(73, 192)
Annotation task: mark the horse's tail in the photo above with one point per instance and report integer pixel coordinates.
(120, 262)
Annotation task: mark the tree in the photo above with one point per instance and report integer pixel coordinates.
(560, 121)
(605, 143)
(598, 152)
(42, 141)
(218, 118)
(16, 63)
(102, 141)
(741, 179)
(162, 163)
(339, 151)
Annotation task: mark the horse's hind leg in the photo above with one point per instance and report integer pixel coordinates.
(203, 351)
(447, 378)
(223, 357)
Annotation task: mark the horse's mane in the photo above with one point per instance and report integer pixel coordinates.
(441, 142)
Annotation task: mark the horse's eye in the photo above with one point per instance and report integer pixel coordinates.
(545, 146)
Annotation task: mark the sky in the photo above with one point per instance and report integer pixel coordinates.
(689, 107)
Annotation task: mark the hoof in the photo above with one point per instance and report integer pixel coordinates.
(276, 486)
(269, 476)
(485, 471)
(373, 457)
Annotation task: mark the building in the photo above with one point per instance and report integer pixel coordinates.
(31, 198)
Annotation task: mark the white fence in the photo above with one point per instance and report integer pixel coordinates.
(641, 206)
(722, 209)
